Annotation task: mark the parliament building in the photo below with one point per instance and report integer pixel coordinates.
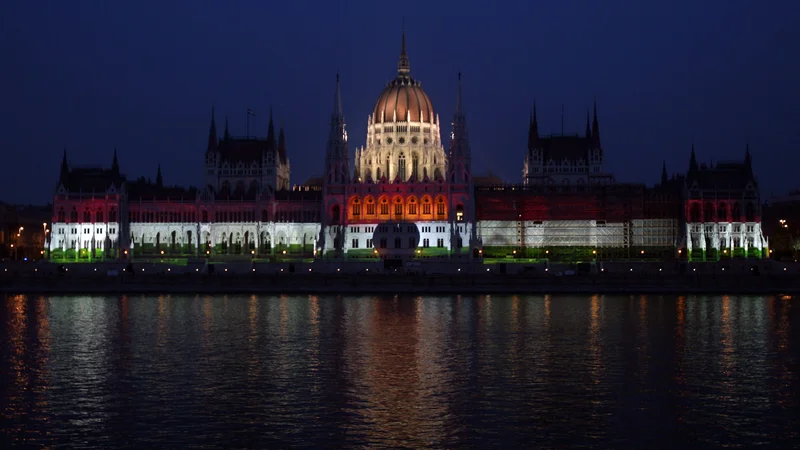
(403, 194)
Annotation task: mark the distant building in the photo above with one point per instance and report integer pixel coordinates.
(404, 194)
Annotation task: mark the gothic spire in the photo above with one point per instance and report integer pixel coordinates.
(159, 179)
(337, 100)
(271, 132)
(458, 96)
(588, 127)
(115, 163)
(533, 130)
(212, 133)
(460, 155)
(64, 164)
(281, 144)
(403, 66)
(748, 160)
(595, 128)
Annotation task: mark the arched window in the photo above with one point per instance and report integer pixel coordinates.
(355, 208)
(335, 213)
(61, 216)
(736, 212)
(398, 206)
(73, 216)
(459, 212)
(437, 174)
(415, 167)
(694, 213)
(426, 205)
(370, 202)
(87, 216)
(722, 212)
(401, 167)
(708, 212)
(440, 206)
(385, 206)
(750, 212)
(265, 216)
(412, 206)
(98, 216)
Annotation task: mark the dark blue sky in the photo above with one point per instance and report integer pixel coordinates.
(142, 76)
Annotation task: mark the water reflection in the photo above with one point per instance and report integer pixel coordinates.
(509, 371)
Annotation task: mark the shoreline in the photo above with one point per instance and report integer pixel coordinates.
(348, 284)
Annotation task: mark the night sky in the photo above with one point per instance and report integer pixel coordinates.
(143, 76)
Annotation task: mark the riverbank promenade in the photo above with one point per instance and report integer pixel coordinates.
(761, 277)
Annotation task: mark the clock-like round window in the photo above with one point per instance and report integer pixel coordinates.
(414, 140)
(402, 140)
(388, 140)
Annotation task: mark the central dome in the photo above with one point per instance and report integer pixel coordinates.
(403, 100)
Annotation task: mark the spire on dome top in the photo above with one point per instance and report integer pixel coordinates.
(212, 133)
(403, 66)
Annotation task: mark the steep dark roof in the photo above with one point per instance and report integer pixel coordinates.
(142, 189)
(244, 150)
(726, 175)
(91, 179)
(572, 148)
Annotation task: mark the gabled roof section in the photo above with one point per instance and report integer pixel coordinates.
(91, 179)
(558, 148)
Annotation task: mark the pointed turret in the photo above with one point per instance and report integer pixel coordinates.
(115, 163)
(595, 129)
(212, 133)
(227, 135)
(337, 156)
(533, 130)
(64, 165)
(282, 146)
(748, 160)
(460, 154)
(159, 180)
(588, 127)
(403, 65)
(271, 133)
(664, 177)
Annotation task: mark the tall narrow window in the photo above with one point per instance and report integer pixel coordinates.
(415, 167)
(401, 167)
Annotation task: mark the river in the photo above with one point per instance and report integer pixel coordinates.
(416, 372)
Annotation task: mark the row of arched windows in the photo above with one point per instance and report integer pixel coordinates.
(720, 212)
(398, 207)
(89, 215)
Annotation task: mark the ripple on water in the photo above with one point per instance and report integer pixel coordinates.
(499, 371)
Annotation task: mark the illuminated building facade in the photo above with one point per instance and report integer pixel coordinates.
(403, 194)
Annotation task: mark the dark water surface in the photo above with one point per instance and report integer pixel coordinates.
(493, 371)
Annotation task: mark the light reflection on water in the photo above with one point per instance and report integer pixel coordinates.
(503, 371)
